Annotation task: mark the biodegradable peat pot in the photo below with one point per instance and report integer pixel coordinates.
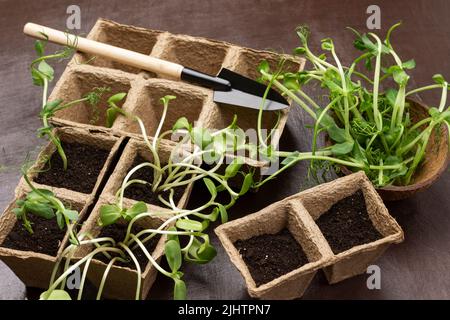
(136, 152)
(435, 162)
(282, 215)
(355, 260)
(122, 280)
(145, 88)
(32, 260)
(90, 155)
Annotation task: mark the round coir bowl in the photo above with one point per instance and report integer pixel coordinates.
(434, 164)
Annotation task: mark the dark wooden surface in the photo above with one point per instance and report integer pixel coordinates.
(417, 268)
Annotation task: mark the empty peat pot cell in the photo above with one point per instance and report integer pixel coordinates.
(203, 55)
(270, 256)
(122, 36)
(31, 255)
(354, 222)
(80, 82)
(148, 107)
(347, 224)
(88, 157)
(249, 60)
(275, 250)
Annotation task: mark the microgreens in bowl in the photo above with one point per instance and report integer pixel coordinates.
(370, 128)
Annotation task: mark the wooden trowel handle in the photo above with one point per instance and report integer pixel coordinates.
(124, 56)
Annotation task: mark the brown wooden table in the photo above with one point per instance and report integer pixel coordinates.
(418, 268)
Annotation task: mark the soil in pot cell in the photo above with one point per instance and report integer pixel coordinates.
(143, 192)
(46, 237)
(118, 232)
(84, 163)
(271, 256)
(347, 224)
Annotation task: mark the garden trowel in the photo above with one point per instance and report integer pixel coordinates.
(229, 87)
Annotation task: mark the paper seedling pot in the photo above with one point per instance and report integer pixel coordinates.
(79, 135)
(145, 89)
(133, 149)
(121, 281)
(354, 261)
(271, 220)
(299, 212)
(34, 269)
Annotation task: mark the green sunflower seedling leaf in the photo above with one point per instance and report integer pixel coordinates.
(247, 184)
(292, 157)
(39, 209)
(290, 82)
(300, 50)
(206, 251)
(109, 214)
(39, 48)
(173, 237)
(264, 66)
(36, 196)
(173, 255)
(117, 98)
(342, 148)
(19, 212)
(223, 213)
(201, 137)
(165, 100)
(60, 220)
(136, 209)
(211, 187)
(72, 215)
(439, 79)
(188, 225)
(55, 295)
(179, 290)
(182, 123)
(46, 70)
(410, 64)
(391, 95)
(111, 115)
(37, 77)
(233, 168)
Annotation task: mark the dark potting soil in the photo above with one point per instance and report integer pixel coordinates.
(347, 224)
(143, 192)
(84, 164)
(46, 237)
(270, 256)
(118, 232)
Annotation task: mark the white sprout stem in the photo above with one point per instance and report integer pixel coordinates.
(443, 97)
(376, 84)
(191, 179)
(79, 263)
(152, 149)
(149, 256)
(181, 214)
(161, 123)
(104, 277)
(128, 176)
(213, 176)
(138, 269)
(344, 89)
